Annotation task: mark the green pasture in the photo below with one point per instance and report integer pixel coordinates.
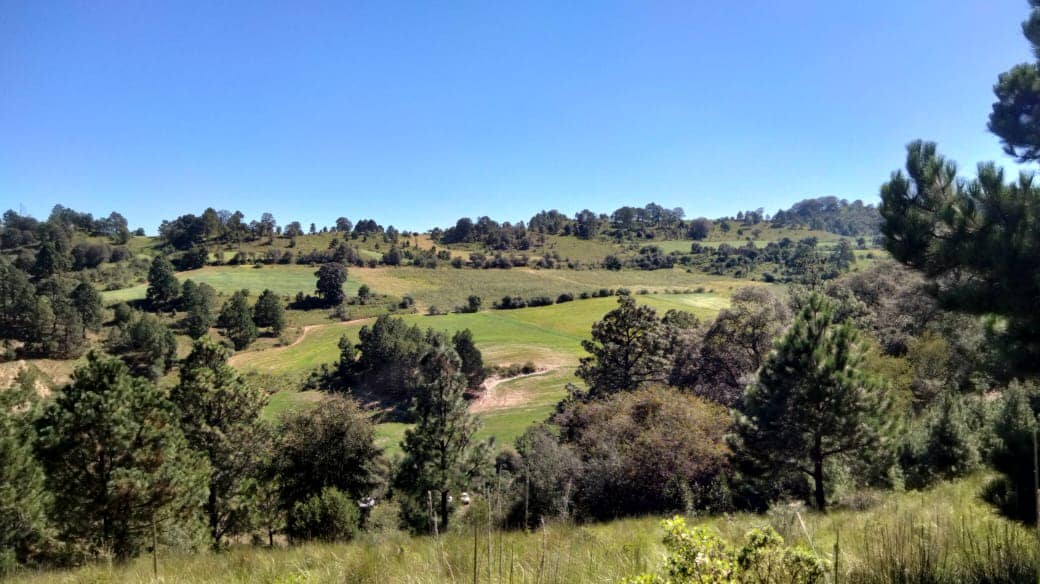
(446, 288)
(549, 336)
(284, 280)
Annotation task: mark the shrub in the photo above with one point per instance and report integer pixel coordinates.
(649, 451)
(330, 516)
(540, 301)
(565, 297)
(698, 555)
(510, 302)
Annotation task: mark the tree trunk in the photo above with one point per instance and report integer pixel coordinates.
(444, 511)
(214, 519)
(821, 497)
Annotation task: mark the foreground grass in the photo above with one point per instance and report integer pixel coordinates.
(904, 536)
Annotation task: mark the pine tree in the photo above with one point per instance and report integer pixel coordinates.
(116, 460)
(17, 303)
(51, 260)
(1013, 492)
(162, 284)
(472, 360)
(812, 401)
(237, 320)
(87, 301)
(629, 350)
(269, 312)
(23, 496)
(146, 345)
(441, 454)
(220, 417)
(1015, 117)
(950, 449)
(199, 300)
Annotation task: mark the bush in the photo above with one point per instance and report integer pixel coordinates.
(540, 301)
(330, 516)
(697, 555)
(510, 303)
(565, 297)
(649, 451)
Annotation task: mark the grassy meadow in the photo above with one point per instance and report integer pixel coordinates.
(945, 534)
(283, 280)
(549, 336)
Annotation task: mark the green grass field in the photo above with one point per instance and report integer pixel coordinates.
(548, 336)
(446, 288)
(948, 526)
(284, 280)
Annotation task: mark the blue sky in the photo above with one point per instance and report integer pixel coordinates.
(418, 113)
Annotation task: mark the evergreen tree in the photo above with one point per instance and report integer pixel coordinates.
(115, 459)
(200, 301)
(146, 345)
(629, 350)
(1013, 492)
(220, 417)
(441, 454)
(978, 242)
(39, 336)
(331, 278)
(66, 336)
(950, 448)
(812, 401)
(23, 495)
(87, 302)
(51, 260)
(944, 449)
(471, 358)
(17, 303)
(237, 320)
(162, 284)
(269, 312)
(1016, 113)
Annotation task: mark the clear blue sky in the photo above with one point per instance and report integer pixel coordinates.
(418, 113)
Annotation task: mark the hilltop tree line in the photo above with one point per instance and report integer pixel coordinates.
(231, 228)
(653, 221)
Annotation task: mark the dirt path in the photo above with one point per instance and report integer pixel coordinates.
(492, 399)
(237, 357)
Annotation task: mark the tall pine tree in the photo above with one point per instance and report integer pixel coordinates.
(629, 350)
(163, 287)
(237, 320)
(812, 401)
(220, 417)
(116, 460)
(441, 454)
(23, 496)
